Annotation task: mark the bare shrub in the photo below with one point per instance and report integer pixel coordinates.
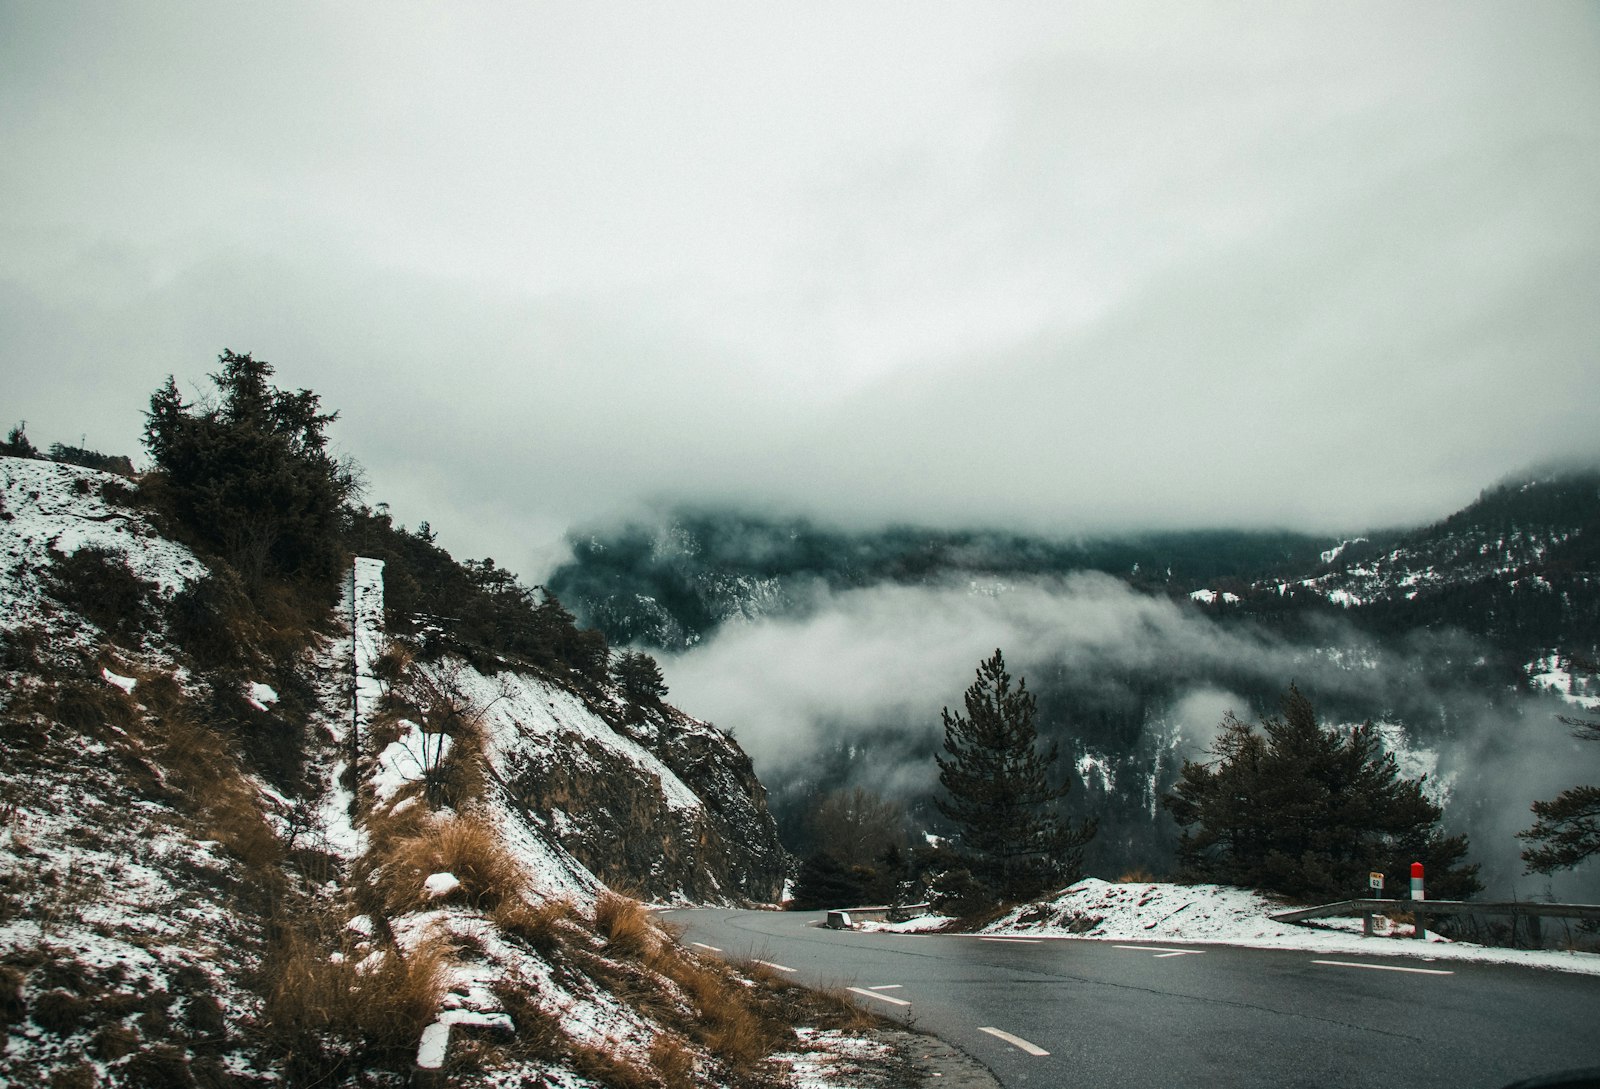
(78, 1076)
(12, 1005)
(98, 584)
(60, 1012)
(214, 621)
(162, 1066)
(111, 1042)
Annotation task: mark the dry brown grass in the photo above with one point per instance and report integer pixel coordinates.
(202, 767)
(465, 846)
(324, 1007)
(672, 1062)
(626, 926)
(728, 1018)
(612, 1071)
(541, 926)
(1136, 876)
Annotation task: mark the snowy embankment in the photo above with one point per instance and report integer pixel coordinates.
(1098, 910)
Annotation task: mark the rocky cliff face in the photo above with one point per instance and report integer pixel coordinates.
(647, 799)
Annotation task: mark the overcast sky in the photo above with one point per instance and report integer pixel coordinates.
(1054, 265)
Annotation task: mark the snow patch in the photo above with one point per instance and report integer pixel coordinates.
(260, 696)
(407, 759)
(440, 885)
(1553, 674)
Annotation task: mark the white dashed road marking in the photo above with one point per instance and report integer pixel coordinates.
(880, 997)
(1385, 967)
(1160, 952)
(886, 987)
(1015, 1041)
(776, 967)
(1019, 941)
(703, 945)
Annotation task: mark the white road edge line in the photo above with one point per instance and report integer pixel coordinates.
(1385, 967)
(778, 967)
(703, 945)
(1162, 951)
(1016, 1041)
(1020, 941)
(879, 997)
(886, 987)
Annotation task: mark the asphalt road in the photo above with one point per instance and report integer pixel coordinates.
(1148, 1015)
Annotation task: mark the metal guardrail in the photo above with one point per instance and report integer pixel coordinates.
(1422, 909)
(893, 913)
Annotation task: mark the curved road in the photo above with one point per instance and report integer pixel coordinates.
(1149, 1015)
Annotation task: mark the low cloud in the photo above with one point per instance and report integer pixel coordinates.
(875, 666)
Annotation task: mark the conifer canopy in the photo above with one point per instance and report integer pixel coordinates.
(1013, 838)
(1309, 812)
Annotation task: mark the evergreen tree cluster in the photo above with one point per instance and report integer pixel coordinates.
(249, 476)
(858, 853)
(17, 445)
(474, 607)
(638, 677)
(1308, 812)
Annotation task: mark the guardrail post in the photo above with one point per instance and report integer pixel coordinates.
(1418, 896)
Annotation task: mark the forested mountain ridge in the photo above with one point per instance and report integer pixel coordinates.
(672, 583)
(1520, 565)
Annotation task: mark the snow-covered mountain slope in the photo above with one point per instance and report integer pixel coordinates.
(1520, 566)
(233, 855)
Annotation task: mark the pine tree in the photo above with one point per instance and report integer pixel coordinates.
(1012, 836)
(1566, 831)
(1309, 812)
(638, 675)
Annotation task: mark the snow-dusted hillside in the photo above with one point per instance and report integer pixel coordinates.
(234, 856)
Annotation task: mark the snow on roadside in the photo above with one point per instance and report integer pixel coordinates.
(1097, 910)
(837, 1060)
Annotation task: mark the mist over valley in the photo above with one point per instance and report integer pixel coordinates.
(829, 652)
